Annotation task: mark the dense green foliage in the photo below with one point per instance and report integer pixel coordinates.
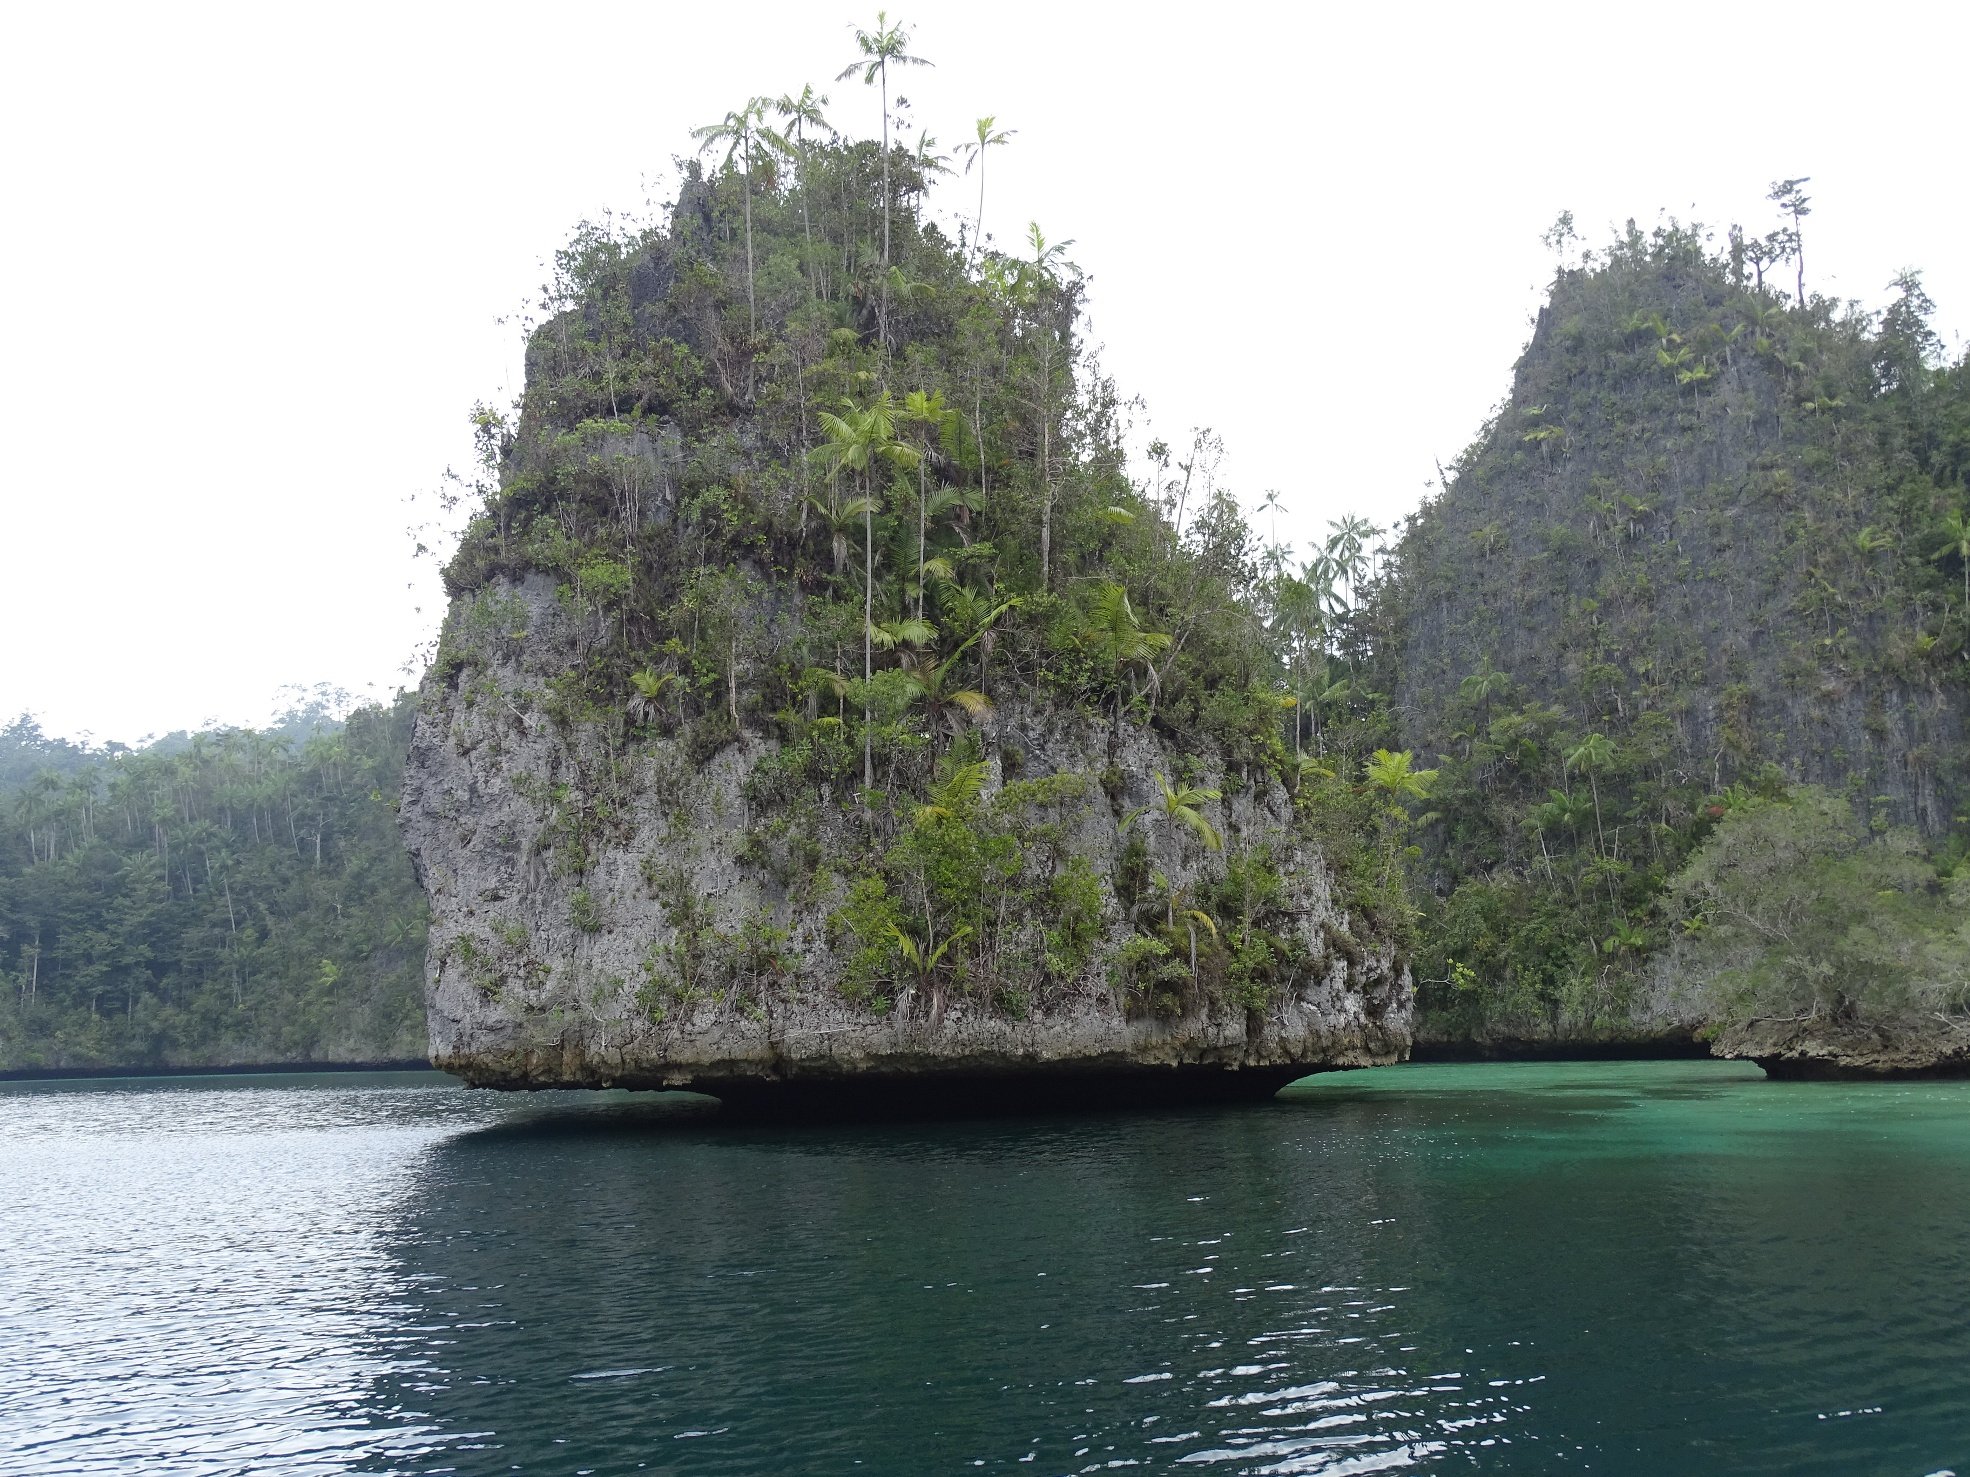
(1792, 911)
(804, 469)
(231, 898)
(1712, 545)
(809, 477)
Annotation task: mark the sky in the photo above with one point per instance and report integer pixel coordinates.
(260, 261)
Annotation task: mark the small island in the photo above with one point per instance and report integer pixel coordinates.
(842, 696)
(822, 710)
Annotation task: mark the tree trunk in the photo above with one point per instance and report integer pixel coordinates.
(868, 619)
(752, 311)
(882, 309)
(806, 229)
(978, 224)
(1046, 501)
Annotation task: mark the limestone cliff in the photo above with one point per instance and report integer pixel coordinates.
(1701, 557)
(820, 704)
(689, 949)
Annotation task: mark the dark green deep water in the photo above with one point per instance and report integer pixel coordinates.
(1619, 1268)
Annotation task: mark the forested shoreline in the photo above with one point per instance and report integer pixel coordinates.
(220, 899)
(1687, 636)
(1649, 723)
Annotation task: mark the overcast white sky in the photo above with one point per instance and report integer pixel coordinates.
(255, 255)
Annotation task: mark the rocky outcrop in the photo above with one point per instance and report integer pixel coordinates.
(1629, 548)
(635, 913)
(1849, 1049)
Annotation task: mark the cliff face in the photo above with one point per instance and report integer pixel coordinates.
(1729, 564)
(1700, 556)
(643, 919)
(822, 711)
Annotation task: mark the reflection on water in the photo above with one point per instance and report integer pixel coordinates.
(1645, 1268)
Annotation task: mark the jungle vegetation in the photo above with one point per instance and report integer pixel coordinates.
(1793, 911)
(807, 468)
(232, 897)
(1710, 551)
(804, 466)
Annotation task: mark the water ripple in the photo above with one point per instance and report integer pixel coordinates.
(1626, 1269)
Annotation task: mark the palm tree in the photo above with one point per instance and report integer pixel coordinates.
(651, 685)
(1321, 574)
(881, 49)
(926, 158)
(1191, 918)
(1183, 805)
(817, 680)
(1034, 285)
(924, 964)
(1271, 504)
(988, 138)
(739, 132)
(1118, 638)
(909, 633)
(946, 705)
(1479, 689)
(1396, 776)
(859, 442)
(935, 420)
(801, 114)
(959, 504)
(971, 614)
(1346, 548)
(1594, 754)
(1956, 541)
(1486, 683)
(840, 514)
(955, 796)
(1299, 620)
(1304, 767)
(1872, 540)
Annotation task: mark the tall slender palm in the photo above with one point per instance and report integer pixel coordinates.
(1300, 620)
(801, 116)
(740, 133)
(840, 515)
(882, 48)
(935, 421)
(1956, 540)
(861, 441)
(1395, 775)
(1271, 504)
(970, 614)
(1346, 547)
(926, 158)
(988, 138)
(1118, 638)
(1594, 754)
(1035, 285)
(1183, 805)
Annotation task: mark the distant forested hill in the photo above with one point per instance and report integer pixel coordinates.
(215, 899)
(1711, 555)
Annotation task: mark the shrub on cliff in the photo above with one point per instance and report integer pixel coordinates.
(1792, 911)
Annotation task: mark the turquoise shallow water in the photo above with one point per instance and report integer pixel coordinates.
(1610, 1267)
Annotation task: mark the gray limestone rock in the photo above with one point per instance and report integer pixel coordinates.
(559, 868)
